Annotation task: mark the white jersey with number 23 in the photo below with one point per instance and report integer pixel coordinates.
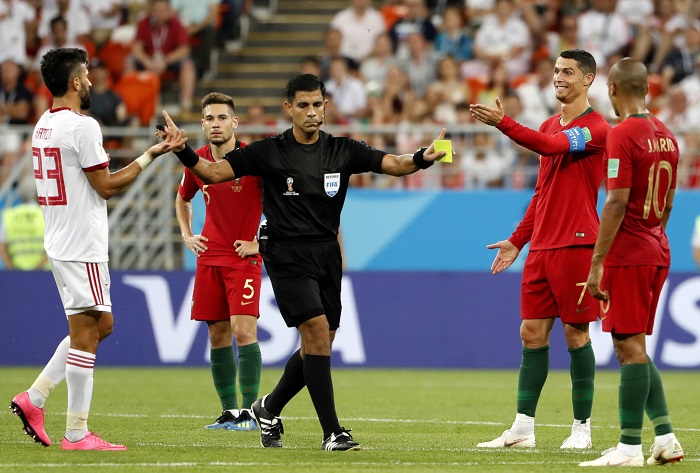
(65, 146)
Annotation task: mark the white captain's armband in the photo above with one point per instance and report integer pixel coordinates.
(577, 138)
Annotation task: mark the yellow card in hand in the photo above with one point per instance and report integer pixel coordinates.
(446, 146)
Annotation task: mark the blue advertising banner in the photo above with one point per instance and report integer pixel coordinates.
(449, 230)
(390, 319)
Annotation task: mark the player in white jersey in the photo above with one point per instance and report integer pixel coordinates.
(73, 183)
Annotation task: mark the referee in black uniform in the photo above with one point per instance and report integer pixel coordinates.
(305, 175)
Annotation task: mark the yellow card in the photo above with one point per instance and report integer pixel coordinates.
(446, 146)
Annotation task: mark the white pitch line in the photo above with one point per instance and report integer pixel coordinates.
(361, 419)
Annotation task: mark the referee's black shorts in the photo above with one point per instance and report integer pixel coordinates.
(306, 278)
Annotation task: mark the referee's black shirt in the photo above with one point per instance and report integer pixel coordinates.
(304, 186)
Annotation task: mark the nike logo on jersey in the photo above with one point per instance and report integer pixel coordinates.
(246, 303)
(581, 310)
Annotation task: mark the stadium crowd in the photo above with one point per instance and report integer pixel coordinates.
(401, 63)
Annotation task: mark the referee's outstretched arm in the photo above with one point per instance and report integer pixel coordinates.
(400, 165)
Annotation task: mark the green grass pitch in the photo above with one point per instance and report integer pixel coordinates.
(406, 420)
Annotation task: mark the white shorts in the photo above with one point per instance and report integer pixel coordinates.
(82, 286)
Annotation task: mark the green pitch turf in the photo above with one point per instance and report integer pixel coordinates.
(406, 420)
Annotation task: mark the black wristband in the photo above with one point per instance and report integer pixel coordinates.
(187, 156)
(419, 161)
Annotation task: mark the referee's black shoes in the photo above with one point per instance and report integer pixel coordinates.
(340, 441)
(270, 426)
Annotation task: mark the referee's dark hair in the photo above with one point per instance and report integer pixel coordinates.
(59, 66)
(585, 60)
(304, 83)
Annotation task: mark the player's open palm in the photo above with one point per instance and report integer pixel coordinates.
(489, 115)
(507, 254)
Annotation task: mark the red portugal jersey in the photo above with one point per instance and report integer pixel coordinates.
(642, 155)
(233, 213)
(562, 212)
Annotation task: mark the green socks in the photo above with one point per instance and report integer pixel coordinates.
(223, 371)
(656, 406)
(534, 369)
(582, 369)
(249, 368)
(634, 392)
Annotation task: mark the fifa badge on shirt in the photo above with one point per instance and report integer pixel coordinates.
(613, 168)
(290, 189)
(331, 182)
(237, 186)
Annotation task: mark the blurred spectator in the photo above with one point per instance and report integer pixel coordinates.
(651, 44)
(162, 46)
(257, 117)
(349, 95)
(22, 232)
(420, 65)
(695, 242)
(483, 165)
(476, 10)
(359, 25)
(503, 38)
(78, 25)
(375, 68)
(15, 99)
(106, 106)
(58, 38)
(199, 17)
(15, 16)
(675, 112)
(452, 39)
(310, 65)
(417, 19)
(398, 97)
(106, 15)
(10, 151)
(602, 31)
(689, 163)
(497, 86)
(447, 91)
(230, 31)
(682, 61)
(333, 40)
(536, 97)
(635, 12)
(563, 39)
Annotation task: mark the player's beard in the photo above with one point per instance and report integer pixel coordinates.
(84, 98)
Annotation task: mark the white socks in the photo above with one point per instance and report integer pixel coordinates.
(51, 376)
(523, 425)
(79, 379)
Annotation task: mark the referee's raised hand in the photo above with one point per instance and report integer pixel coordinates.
(430, 154)
(171, 129)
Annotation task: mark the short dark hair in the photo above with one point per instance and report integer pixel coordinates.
(584, 59)
(304, 83)
(59, 66)
(218, 98)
